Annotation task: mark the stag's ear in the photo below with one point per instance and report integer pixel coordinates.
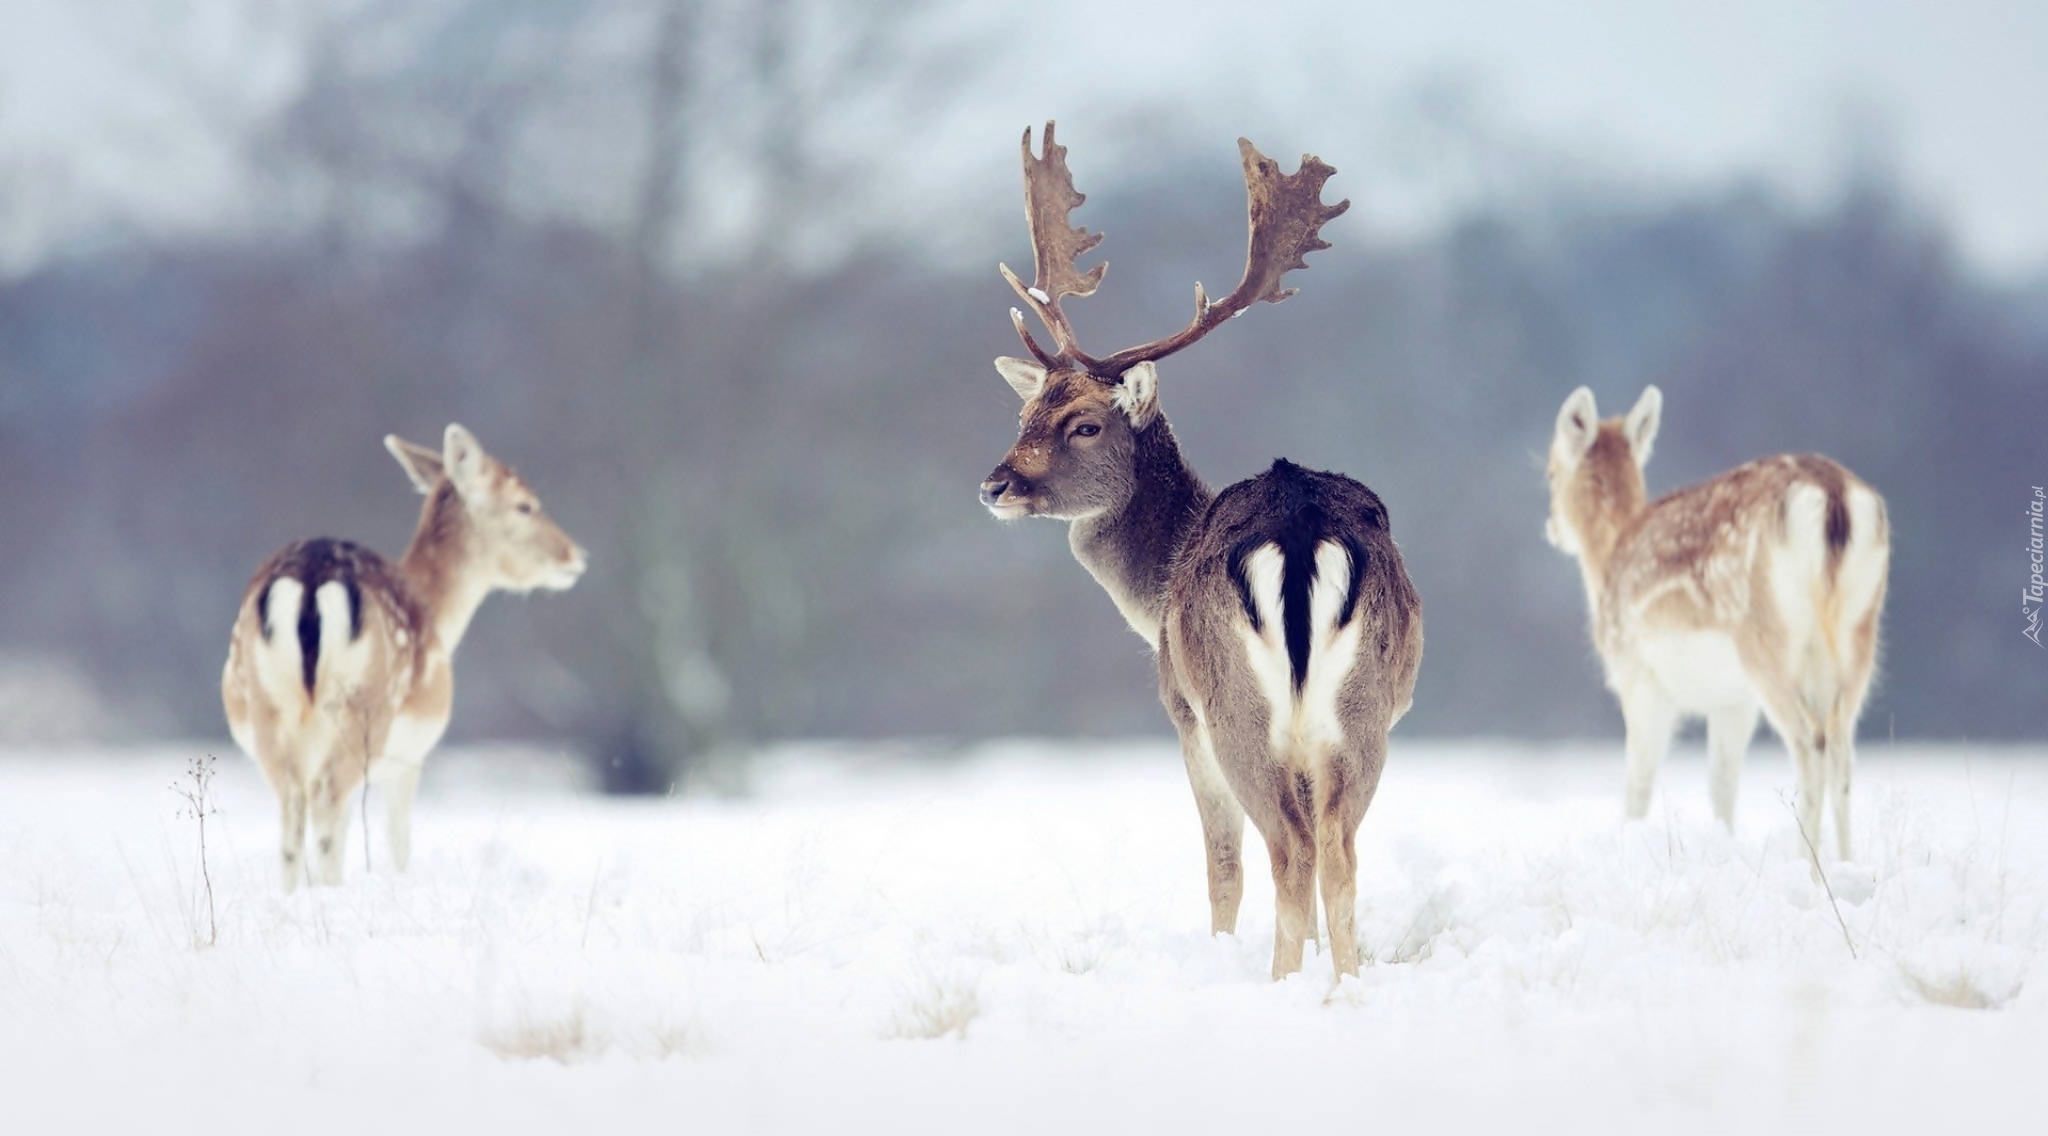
(1137, 395)
(1024, 376)
(467, 464)
(1578, 423)
(1642, 424)
(420, 464)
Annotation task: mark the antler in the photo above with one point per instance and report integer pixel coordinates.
(1286, 215)
(1049, 197)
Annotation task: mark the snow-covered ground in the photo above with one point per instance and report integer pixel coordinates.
(872, 940)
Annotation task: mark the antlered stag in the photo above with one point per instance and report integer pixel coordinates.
(1287, 633)
(340, 663)
(1757, 589)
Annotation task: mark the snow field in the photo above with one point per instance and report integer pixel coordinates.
(872, 940)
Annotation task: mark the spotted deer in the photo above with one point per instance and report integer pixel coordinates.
(340, 663)
(1286, 632)
(1758, 590)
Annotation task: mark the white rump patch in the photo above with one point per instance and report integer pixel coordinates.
(1799, 581)
(1308, 725)
(277, 664)
(282, 607)
(341, 658)
(1865, 563)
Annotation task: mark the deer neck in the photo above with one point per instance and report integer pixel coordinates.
(1130, 549)
(440, 566)
(1600, 541)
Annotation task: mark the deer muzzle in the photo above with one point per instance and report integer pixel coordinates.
(1005, 492)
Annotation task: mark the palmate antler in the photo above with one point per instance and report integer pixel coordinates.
(1049, 197)
(1286, 216)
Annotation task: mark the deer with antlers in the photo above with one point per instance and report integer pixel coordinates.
(340, 663)
(1287, 634)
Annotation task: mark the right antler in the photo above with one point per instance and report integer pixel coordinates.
(1285, 213)
(1286, 219)
(1049, 197)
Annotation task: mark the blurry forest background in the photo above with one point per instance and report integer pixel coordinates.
(718, 277)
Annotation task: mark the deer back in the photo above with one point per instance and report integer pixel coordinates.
(1739, 552)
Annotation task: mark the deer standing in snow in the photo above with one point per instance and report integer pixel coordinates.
(1759, 589)
(1287, 634)
(340, 662)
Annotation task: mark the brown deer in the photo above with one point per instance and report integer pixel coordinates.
(339, 666)
(1287, 633)
(1759, 589)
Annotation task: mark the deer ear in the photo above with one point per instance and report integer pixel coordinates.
(1024, 376)
(1642, 424)
(1137, 394)
(421, 465)
(465, 460)
(1578, 423)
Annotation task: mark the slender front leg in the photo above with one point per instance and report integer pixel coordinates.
(398, 783)
(1649, 718)
(1222, 827)
(1728, 734)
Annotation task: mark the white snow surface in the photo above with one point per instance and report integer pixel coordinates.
(1015, 940)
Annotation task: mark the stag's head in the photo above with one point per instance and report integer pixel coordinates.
(1596, 470)
(1083, 416)
(485, 516)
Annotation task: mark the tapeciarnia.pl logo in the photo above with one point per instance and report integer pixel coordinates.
(2036, 592)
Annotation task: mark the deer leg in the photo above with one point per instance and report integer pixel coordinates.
(1728, 732)
(279, 762)
(1337, 869)
(291, 800)
(1805, 740)
(1222, 817)
(1840, 758)
(1346, 790)
(1649, 718)
(333, 794)
(398, 784)
(1291, 844)
(1841, 748)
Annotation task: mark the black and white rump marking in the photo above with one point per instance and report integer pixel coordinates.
(332, 572)
(1292, 643)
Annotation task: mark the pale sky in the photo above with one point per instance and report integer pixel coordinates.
(1659, 94)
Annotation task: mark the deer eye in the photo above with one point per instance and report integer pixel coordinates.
(1087, 430)
(525, 508)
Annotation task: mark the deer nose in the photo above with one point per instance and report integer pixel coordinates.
(999, 483)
